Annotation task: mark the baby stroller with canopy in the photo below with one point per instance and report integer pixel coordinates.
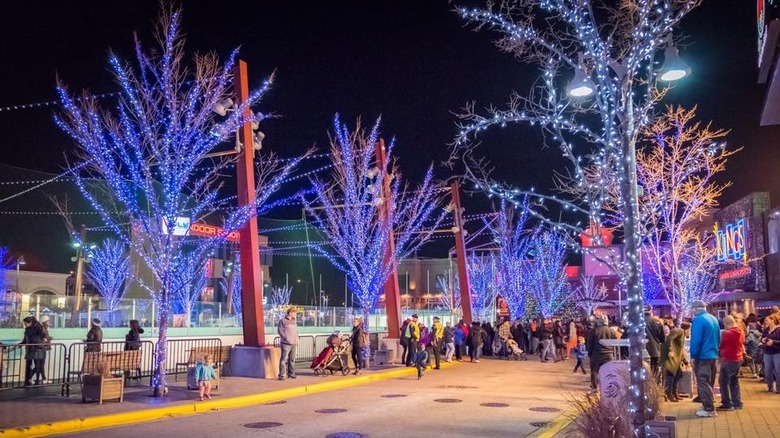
(333, 357)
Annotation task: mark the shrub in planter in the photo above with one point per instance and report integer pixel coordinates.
(595, 418)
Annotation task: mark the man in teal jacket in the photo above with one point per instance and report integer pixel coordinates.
(705, 342)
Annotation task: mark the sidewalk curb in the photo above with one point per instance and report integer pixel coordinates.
(558, 424)
(125, 418)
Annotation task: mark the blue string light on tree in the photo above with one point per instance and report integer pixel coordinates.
(353, 214)
(146, 157)
(111, 272)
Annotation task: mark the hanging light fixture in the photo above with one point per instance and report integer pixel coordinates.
(674, 67)
(580, 85)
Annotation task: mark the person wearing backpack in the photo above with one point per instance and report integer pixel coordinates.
(413, 335)
(404, 340)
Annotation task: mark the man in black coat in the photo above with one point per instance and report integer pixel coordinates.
(654, 332)
(599, 354)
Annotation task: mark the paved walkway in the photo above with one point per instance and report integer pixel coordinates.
(493, 398)
(760, 417)
(37, 405)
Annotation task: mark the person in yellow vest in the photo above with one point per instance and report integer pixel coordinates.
(413, 336)
(437, 335)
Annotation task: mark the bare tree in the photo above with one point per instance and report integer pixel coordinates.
(151, 158)
(611, 47)
(514, 243)
(112, 273)
(589, 295)
(354, 214)
(677, 170)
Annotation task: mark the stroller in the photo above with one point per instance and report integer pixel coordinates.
(333, 358)
(513, 351)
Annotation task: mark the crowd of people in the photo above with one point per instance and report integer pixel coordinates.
(719, 350)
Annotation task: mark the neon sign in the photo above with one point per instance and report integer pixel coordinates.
(184, 227)
(731, 241)
(735, 273)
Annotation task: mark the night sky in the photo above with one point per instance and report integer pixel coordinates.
(412, 62)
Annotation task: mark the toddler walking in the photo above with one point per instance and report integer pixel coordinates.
(581, 353)
(204, 373)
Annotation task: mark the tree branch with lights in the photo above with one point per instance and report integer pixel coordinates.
(514, 242)
(111, 272)
(589, 295)
(188, 281)
(481, 270)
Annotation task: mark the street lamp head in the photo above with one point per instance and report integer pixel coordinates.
(20, 261)
(674, 68)
(580, 85)
(223, 106)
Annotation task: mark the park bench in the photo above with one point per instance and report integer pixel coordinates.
(123, 362)
(115, 361)
(219, 353)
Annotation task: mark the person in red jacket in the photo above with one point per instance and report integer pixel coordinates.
(732, 354)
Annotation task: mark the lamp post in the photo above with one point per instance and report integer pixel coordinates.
(19, 262)
(582, 86)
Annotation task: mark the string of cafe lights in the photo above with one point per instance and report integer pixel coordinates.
(53, 103)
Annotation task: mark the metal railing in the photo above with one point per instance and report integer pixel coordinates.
(181, 353)
(309, 346)
(63, 365)
(27, 365)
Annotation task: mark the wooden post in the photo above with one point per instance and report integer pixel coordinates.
(460, 252)
(392, 290)
(249, 241)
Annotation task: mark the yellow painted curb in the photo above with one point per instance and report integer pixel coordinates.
(557, 425)
(125, 418)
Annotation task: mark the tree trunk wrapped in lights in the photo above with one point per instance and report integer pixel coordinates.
(146, 164)
(611, 48)
(347, 210)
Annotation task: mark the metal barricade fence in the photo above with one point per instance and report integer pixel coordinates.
(182, 353)
(15, 360)
(320, 342)
(309, 346)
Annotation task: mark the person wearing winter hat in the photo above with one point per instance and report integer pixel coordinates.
(46, 340)
(94, 337)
